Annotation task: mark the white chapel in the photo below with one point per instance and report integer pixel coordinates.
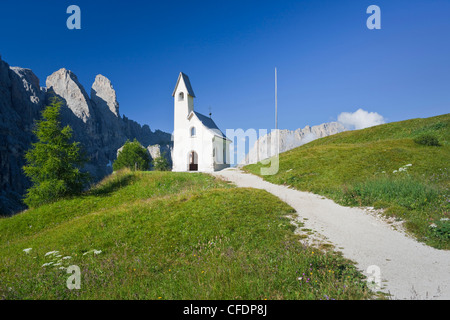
(198, 144)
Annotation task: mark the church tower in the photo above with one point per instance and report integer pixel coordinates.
(183, 100)
(183, 105)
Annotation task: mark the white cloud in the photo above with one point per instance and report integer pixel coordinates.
(360, 119)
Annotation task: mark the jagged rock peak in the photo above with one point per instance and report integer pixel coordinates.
(103, 94)
(28, 74)
(62, 74)
(65, 84)
(25, 87)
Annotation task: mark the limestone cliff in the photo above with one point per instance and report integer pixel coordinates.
(95, 121)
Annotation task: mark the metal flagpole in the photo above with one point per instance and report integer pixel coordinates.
(276, 101)
(276, 115)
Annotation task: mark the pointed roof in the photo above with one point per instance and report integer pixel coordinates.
(186, 82)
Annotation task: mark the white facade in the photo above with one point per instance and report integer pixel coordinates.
(198, 144)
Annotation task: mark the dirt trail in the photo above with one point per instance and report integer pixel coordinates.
(408, 268)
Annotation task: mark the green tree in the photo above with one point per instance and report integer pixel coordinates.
(161, 164)
(133, 156)
(54, 162)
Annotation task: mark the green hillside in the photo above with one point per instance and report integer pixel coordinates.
(154, 235)
(394, 166)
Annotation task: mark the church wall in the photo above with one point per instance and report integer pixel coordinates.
(201, 143)
(220, 146)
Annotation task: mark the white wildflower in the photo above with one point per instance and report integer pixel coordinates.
(47, 264)
(433, 225)
(445, 219)
(66, 257)
(395, 171)
(408, 165)
(94, 251)
(51, 252)
(27, 250)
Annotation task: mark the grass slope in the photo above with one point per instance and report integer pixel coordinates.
(380, 166)
(168, 236)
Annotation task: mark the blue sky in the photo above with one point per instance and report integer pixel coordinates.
(328, 61)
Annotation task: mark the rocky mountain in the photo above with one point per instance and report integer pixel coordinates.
(267, 145)
(95, 120)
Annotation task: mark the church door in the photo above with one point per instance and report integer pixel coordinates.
(193, 161)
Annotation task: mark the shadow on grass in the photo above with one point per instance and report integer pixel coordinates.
(112, 184)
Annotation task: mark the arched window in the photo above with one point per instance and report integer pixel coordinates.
(193, 132)
(181, 96)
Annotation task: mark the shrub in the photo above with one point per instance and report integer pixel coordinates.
(441, 229)
(161, 164)
(133, 156)
(427, 140)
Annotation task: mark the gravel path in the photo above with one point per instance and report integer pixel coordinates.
(408, 269)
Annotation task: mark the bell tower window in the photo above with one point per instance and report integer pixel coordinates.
(181, 96)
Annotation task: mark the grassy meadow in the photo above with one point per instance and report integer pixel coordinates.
(164, 235)
(401, 167)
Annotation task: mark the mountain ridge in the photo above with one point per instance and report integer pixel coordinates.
(95, 120)
(289, 139)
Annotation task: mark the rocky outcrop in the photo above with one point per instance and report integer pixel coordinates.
(104, 95)
(26, 92)
(157, 151)
(95, 121)
(283, 140)
(64, 84)
(21, 100)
